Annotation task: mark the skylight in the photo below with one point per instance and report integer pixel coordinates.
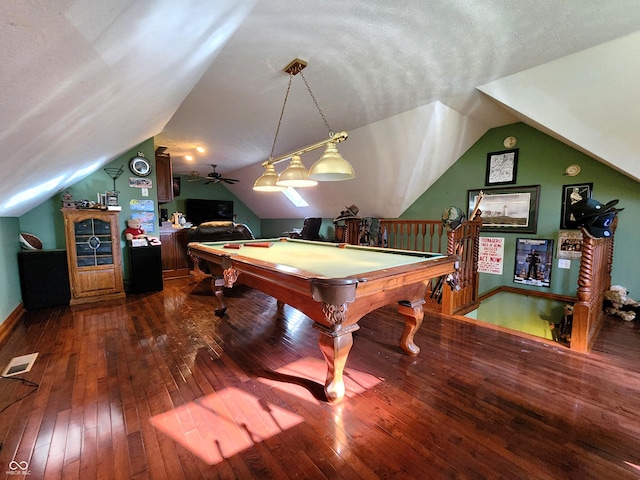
(294, 197)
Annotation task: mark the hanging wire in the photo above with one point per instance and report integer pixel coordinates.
(317, 106)
(280, 119)
(24, 381)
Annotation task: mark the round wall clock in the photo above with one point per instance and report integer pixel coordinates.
(510, 142)
(140, 166)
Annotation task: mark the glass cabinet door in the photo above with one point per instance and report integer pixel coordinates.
(93, 242)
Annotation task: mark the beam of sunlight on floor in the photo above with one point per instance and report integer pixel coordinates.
(224, 423)
(637, 467)
(315, 370)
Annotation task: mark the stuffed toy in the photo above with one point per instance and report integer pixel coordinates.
(134, 229)
(617, 302)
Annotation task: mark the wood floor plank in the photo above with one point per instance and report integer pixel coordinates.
(476, 403)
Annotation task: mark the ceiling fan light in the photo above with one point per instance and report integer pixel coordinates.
(331, 166)
(295, 175)
(267, 181)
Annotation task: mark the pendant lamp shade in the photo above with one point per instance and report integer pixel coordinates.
(295, 175)
(267, 182)
(331, 166)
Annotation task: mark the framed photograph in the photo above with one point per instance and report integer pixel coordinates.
(570, 195)
(176, 186)
(534, 259)
(508, 209)
(570, 244)
(111, 198)
(502, 167)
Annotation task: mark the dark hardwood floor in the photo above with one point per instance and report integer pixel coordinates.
(158, 387)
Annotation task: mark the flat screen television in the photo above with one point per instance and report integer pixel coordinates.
(200, 210)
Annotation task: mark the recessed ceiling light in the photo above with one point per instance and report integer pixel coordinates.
(188, 158)
(200, 149)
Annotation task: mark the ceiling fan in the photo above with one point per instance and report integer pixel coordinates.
(213, 177)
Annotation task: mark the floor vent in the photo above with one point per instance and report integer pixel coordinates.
(20, 364)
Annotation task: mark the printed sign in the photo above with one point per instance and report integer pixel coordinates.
(491, 255)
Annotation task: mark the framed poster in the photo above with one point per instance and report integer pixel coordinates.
(502, 167)
(508, 209)
(570, 195)
(534, 259)
(570, 244)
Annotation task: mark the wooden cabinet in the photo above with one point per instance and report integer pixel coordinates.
(348, 231)
(164, 178)
(94, 256)
(175, 262)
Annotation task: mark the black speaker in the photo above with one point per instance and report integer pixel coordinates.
(146, 269)
(44, 278)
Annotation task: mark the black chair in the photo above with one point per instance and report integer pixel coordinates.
(310, 229)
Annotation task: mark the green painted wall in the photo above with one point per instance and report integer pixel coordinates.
(45, 221)
(542, 161)
(10, 295)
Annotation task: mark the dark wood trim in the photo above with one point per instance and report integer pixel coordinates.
(11, 322)
(531, 293)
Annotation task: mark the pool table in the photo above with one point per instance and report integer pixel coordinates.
(333, 284)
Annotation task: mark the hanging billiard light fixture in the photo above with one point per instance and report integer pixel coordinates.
(331, 166)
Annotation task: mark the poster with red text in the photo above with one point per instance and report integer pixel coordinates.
(491, 255)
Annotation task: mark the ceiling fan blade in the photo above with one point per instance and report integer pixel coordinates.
(229, 180)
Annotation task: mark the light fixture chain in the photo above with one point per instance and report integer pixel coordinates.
(286, 95)
(317, 106)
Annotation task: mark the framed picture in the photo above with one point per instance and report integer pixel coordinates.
(111, 198)
(508, 209)
(570, 244)
(534, 259)
(176, 186)
(502, 167)
(570, 195)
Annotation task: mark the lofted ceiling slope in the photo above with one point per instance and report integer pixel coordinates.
(415, 83)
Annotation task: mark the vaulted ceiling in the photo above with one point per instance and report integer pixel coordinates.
(415, 83)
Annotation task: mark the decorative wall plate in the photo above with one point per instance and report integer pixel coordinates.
(140, 166)
(572, 170)
(510, 142)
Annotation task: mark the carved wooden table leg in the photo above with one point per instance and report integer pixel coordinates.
(335, 336)
(216, 285)
(335, 350)
(413, 316)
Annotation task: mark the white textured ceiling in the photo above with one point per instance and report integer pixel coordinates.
(83, 81)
